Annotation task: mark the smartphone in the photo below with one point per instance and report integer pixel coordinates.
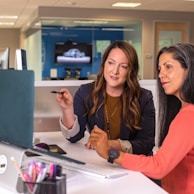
(56, 149)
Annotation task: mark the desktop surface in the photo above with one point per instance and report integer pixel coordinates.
(133, 182)
(79, 183)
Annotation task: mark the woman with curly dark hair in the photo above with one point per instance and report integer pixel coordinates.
(115, 102)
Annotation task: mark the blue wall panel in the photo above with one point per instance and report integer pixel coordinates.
(53, 34)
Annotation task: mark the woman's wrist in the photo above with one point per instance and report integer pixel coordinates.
(68, 123)
(114, 144)
(68, 118)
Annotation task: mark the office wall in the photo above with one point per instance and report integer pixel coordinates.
(33, 45)
(147, 17)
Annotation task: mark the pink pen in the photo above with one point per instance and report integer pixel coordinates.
(28, 179)
(51, 170)
(34, 173)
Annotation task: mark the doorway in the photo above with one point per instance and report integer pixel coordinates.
(168, 33)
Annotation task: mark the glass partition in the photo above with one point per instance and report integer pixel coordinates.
(57, 34)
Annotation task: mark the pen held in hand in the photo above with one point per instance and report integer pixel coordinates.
(57, 92)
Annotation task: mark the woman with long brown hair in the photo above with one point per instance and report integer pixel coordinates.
(115, 102)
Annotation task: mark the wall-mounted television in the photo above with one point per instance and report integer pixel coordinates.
(70, 52)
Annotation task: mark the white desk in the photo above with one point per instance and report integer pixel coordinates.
(134, 182)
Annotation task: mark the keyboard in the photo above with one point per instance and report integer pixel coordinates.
(110, 171)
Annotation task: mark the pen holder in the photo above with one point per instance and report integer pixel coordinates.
(48, 186)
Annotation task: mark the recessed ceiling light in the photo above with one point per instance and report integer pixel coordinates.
(6, 23)
(37, 24)
(8, 17)
(90, 22)
(125, 4)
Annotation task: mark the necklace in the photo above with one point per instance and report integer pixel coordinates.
(108, 119)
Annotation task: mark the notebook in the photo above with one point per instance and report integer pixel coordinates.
(16, 122)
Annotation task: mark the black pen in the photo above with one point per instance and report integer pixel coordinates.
(57, 92)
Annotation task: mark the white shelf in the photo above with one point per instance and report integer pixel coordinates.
(48, 83)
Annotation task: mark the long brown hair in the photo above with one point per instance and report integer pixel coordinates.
(131, 112)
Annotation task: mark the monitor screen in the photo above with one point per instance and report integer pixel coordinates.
(20, 59)
(4, 58)
(73, 52)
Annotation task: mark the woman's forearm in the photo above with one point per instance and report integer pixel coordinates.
(68, 118)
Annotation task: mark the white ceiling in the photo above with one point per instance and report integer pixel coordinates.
(25, 8)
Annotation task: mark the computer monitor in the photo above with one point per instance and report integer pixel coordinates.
(20, 59)
(4, 58)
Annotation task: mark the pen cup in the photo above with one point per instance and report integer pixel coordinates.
(48, 186)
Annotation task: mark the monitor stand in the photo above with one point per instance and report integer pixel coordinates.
(9, 175)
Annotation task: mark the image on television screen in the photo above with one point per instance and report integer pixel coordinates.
(73, 52)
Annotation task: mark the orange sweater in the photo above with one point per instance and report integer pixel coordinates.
(174, 161)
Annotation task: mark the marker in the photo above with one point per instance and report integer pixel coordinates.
(57, 92)
(39, 179)
(51, 170)
(34, 172)
(28, 179)
(30, 169)
(58, 171)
